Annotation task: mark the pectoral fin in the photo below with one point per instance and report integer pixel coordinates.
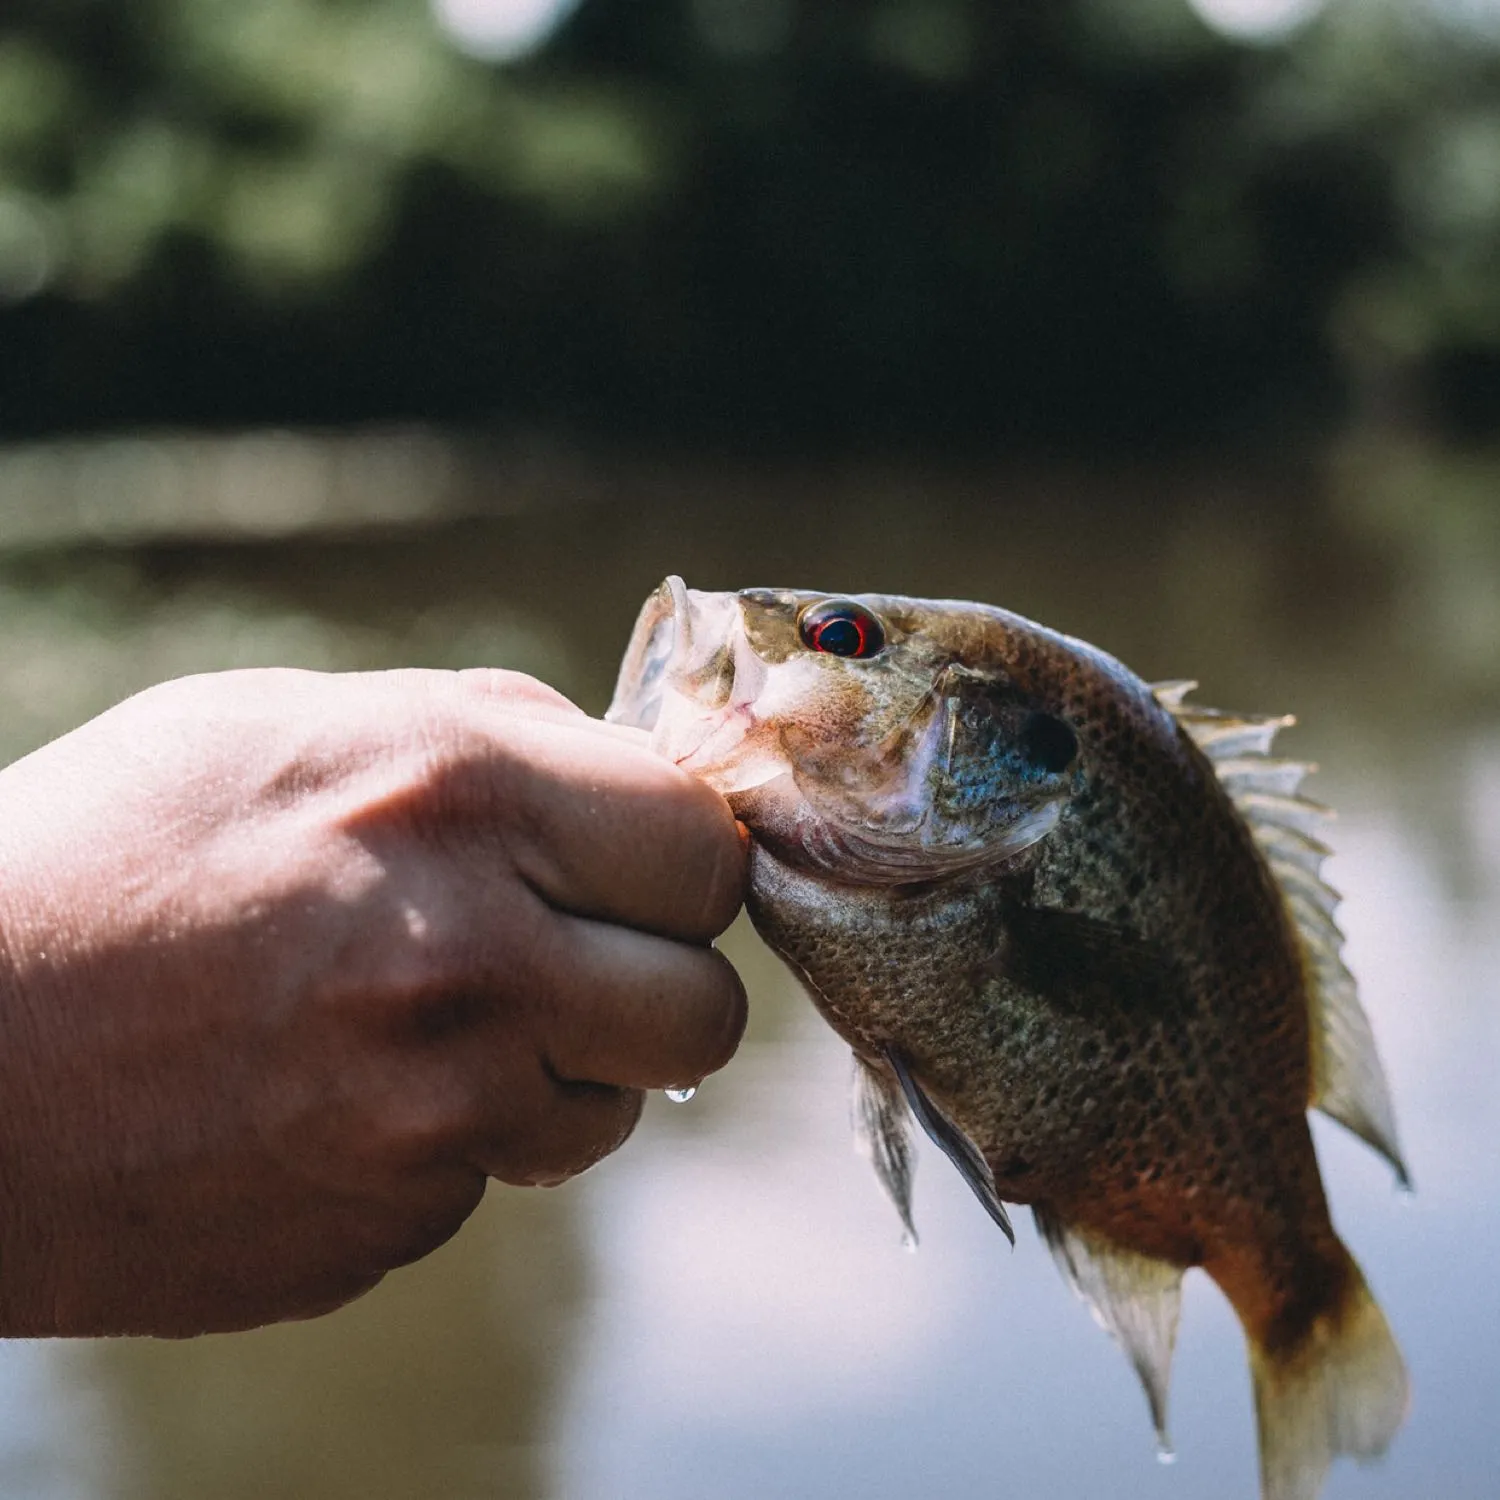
(882, 1130)
(1134, 1298)
(1079, 963)
(952, 1142)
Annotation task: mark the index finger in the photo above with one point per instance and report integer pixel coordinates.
(601, 826)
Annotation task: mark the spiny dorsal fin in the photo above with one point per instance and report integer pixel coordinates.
(1134, 1298)
(1348, 1083)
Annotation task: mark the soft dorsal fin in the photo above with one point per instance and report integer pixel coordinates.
(1348, 1082)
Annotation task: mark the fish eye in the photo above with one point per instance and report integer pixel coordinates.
(841, 627)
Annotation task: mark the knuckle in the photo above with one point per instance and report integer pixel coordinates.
(630, 1104)
(531, 951)
(426, 1125)
(500, 685)
(424, 1233)
(438, 773)
(413, 949)
(614, 1113)
(598, 1119)
(456, 769)
(326, 1294)
(431, 932)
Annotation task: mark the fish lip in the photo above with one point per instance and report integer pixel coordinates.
(712, 726)
(640, 687)
(680, 614)
(671, 647)
(691, 678)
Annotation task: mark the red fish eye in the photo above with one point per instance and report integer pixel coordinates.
(841, 627)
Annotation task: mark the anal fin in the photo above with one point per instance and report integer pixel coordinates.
(953, 1143)
(882, 1130)
(1135, 1298)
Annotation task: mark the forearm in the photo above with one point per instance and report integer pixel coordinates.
(27, 1228)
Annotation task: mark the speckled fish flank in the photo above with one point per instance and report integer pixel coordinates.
(1077, 929)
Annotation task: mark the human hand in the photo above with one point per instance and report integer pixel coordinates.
(290, 963)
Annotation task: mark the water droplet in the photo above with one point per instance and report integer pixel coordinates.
(683, 1094)
(909, 1241)
(1165, 1452)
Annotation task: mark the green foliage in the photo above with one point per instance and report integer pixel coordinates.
(279, 131)
(927, 221)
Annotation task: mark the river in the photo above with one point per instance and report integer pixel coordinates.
(724, 1310)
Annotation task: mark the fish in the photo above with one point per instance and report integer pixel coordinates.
(1074, 928)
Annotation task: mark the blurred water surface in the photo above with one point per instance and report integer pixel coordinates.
(723, 1310)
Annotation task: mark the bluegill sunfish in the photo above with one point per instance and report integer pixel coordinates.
(1075, 927)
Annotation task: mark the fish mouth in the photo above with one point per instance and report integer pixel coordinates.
(691, 677)
(641, 685)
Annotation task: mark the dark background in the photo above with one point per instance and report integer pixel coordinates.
(951, 226)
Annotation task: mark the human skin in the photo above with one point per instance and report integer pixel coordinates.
(292, 963)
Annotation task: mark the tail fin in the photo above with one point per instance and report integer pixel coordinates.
(1341, 1389)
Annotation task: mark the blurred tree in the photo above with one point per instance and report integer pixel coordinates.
(757, 223)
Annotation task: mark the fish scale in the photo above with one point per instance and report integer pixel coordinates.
(1075, 927)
